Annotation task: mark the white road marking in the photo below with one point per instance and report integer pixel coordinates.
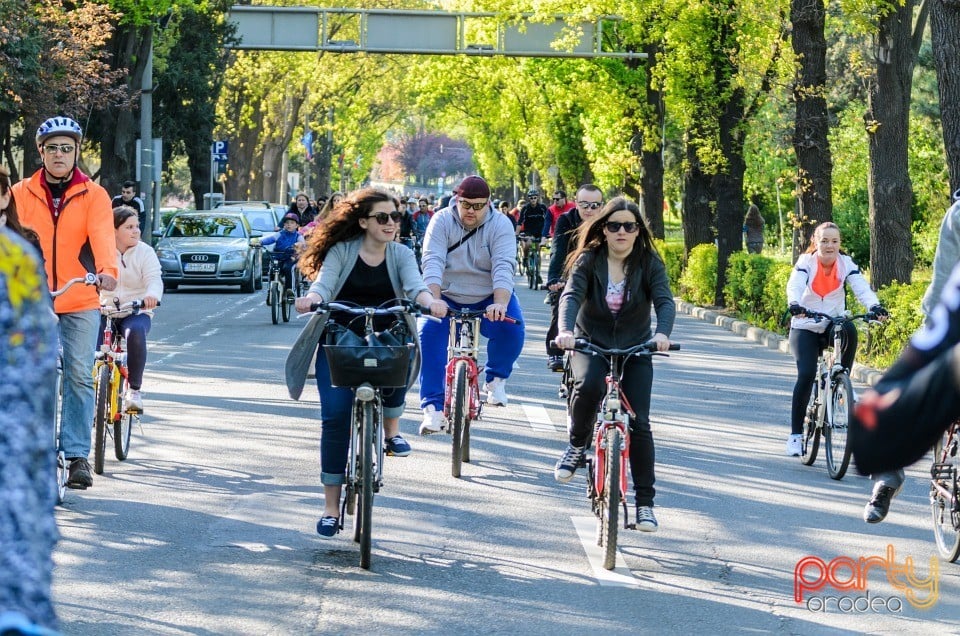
(620, 575)
(539, 418)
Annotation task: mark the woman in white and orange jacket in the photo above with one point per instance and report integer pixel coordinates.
(818, 283)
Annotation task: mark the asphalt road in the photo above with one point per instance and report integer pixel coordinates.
(208, 527)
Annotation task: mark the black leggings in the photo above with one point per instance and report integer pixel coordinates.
(552, 330)
(589, 388)
(806, 346)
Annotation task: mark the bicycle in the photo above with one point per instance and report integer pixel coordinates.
(520, 266)
(376, 367)
(534, 280)
(607, 468)
(277, 299)
(111, 380)
(461, 389)
(62, 471)
(945, 493)
(830, 407)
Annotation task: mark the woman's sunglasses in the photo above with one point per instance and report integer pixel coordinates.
(614, 226)
(383, 217)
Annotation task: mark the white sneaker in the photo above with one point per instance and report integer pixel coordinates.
(496, 392)
(132, 402)
(795, 445)
(433, 420)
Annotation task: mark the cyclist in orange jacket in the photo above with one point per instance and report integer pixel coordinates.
(73, 217)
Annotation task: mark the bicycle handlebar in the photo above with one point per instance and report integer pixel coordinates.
(468, 314)
(89, 279)
(403, 306)
(816, 316)
(133, 306)
(648, 348)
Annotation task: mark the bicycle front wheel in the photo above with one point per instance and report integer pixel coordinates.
(609, 520)
(101, 416)
(274, 302)
(459, 415)
(367, 451)
(835, 433)
(61, 459)
(811, 429)
(944, 507)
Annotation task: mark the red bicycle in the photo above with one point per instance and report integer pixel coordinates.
(607, 469)
(461, 391)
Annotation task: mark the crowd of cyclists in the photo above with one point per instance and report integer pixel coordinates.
(604, 277)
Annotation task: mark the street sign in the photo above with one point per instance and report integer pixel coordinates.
(218, 150)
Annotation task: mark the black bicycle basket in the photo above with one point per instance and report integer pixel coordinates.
(379, 360)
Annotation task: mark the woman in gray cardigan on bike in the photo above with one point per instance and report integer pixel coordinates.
(614, 277)
(358, 261)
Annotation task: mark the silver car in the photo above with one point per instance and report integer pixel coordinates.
(209, 248)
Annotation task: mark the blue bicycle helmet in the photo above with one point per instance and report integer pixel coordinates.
(59, 126)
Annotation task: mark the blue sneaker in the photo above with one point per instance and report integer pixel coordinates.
(327, 527)
(397, 446)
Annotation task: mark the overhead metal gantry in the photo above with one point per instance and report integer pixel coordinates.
(397, 31)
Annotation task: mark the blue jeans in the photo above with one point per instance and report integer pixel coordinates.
(78, 337)
(336, 411)
(503, 348)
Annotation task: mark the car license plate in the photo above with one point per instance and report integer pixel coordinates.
(200, 267)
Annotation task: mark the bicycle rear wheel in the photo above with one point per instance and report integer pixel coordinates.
(459, 415)
(101, 417)
(609, 520)
(121, 431)
(367, 450)
(531, 270)
(811, 431)
(944, 507)
(285, 304)
(835, 433)
(274, 302)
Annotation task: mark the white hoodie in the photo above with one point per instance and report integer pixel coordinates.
(139, 276)
(834, 303)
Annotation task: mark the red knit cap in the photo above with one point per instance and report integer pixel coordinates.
(473, 187)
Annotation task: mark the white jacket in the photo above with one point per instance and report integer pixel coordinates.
(834, 303)
(139, 276)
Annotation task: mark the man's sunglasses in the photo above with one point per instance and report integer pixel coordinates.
(383, 217)
(472, 206)
(589, 205)
(614, 226)
(66, 149)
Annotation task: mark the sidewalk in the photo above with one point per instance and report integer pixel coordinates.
(859, 373)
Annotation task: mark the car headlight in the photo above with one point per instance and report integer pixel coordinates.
(166, 255)
(236, 255)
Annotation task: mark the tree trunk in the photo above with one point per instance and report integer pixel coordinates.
(119, 128)
(244, 158)
(697, 214)
(810, 143)
(728, 188)
(887, 120)
(944, 30)
(652, 160)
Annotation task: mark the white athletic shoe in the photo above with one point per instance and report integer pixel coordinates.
(497, 392)
(433, 420)
(795, 445)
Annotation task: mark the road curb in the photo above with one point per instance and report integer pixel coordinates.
(859, 373)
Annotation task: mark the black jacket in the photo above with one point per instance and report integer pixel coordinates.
(583, 305)
(567, 224)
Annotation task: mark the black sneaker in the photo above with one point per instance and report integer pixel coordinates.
(571, 460)
(879, 505)
(328, 527)
(79, 476)
(555, 363)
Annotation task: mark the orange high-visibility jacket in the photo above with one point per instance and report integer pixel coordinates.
(76, 239)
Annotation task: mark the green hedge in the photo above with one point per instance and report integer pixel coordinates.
(672, 254)
(756, 291)
(698, 281)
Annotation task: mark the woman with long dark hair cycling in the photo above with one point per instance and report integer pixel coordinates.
(614, 277)
(355, 259)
